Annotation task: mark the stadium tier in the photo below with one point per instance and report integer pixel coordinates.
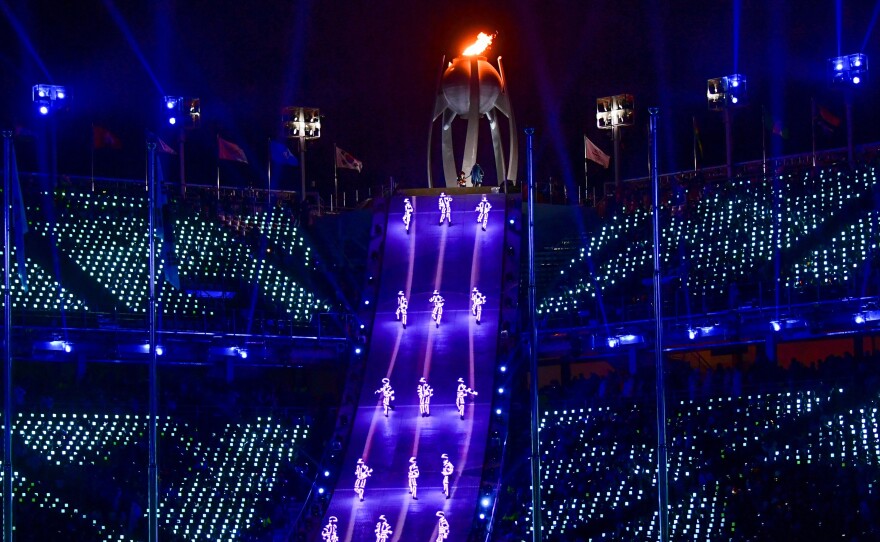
(599, 465)
(103, 255)
(825, 233)
(216, 487)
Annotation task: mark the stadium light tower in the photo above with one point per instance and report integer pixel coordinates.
(613, 113)
(848, 73)
(302, 123)
(49, 98)
(186, 114)
(724, 94)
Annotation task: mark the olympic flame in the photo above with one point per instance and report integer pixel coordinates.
(483, 41)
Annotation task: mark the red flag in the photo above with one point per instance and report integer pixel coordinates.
(102, 138)
(347, 161)
(226, 150)
(163, 147)
(828, 120)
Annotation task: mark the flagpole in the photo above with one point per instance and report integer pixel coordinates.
(813, 127)
(269, 187)
(694, 129)
(764, 140)
(153, 463)
(7, 360)
(93, 157)
(218, 167)
(586, 174)
(335, 179)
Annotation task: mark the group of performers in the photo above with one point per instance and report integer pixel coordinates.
(425, 392)
(477, 302)
(383, 531)
(444, 204)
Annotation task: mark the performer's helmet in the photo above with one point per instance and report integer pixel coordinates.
(436, 292)
(412, 459)
(444, 456)
(407, 199)
(475, 288)
(422, 380)
(461, 380)
(332, 519)
(442, 194)
(361, 461)
(484, 197)
(400, 292)
(382, 517)
(385, 381)
(440, 513)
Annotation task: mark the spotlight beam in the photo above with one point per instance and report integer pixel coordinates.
(19, 29)
(129, 37)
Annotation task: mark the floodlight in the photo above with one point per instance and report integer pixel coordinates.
(848, 70)
(727, 91)
(614, 111)
(48, 98)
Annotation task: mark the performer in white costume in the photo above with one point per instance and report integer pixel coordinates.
(413, 477)
(407, 213)
(446, 471)
(402, 305)
(442, 527)
(445, 206)
(477, 302)
(328, 534)
(483, 212)
(425, 392)
(387, 395)
(437, 312)
(361, 472)
(383, 529)
(460, 394)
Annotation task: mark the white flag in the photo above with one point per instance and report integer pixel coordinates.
(347, 161)
(594, 153)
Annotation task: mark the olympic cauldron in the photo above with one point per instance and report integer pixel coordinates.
(471, 88)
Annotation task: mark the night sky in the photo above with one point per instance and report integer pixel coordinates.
(372, 69)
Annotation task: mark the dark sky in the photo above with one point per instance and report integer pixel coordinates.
(372, 68)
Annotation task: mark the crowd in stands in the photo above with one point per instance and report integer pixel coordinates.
(756, 453)
(717, 244)
(234, 455)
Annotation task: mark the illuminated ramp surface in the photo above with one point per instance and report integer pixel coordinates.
(453, 259)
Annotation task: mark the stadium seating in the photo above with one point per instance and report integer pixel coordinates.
(825, 223)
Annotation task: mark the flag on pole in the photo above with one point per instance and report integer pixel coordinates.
(165, 235)
(827, 120)
(347, 161)
(19, 219)
(102, 138)
(775, 126)
(281, 154)
(226, 150)
(594, 153)
(161, 146)
(698, 141)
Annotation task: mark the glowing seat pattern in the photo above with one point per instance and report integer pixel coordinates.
(106, 236)
(208, 252)
(43, 292)
(824, 233)
(598, 464)
(237, 467)
(279, 230)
